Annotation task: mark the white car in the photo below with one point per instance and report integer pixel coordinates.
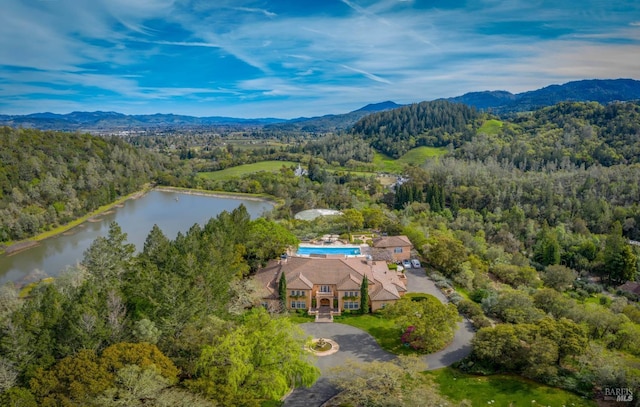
(415, 263)
(406, 264)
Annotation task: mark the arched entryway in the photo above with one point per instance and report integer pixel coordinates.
(325, 302)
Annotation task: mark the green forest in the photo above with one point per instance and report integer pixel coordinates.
(163, 319)
(526, 221)
(50, 178)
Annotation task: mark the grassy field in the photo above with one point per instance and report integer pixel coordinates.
(504, 390)
(415, 156)
(381, 162)
(241, 170)
(490, 127)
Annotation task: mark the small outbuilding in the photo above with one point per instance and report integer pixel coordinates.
(398, 247)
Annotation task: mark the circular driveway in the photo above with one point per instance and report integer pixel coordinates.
(359, 345)
(354, 344)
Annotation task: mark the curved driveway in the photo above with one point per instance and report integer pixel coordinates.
(357, 344)
(460, 347)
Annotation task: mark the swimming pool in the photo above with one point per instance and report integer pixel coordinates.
(345, 250)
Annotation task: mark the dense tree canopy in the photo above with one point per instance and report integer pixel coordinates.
(260, 359)
(427, 323)
(49, 178)
(437, 123)
(86, 338)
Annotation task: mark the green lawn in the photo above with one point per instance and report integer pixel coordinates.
(505, 390)
(416, 156)
(490, 127)
(383, 329)
(419, 155)
(271, 166)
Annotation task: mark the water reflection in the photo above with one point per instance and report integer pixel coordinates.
(136, 218)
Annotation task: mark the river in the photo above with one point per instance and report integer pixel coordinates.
(173, 212)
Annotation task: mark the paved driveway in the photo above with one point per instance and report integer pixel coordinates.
(460, 347)
(354, 343)
(357, 344)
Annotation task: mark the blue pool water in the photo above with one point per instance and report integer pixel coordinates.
(345, 250)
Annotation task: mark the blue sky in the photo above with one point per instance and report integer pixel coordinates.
(302, 57)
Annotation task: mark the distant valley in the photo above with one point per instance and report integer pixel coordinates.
(498, 102)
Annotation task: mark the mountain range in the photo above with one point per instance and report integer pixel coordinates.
(602, 91)
(498, 102)
(113, 121)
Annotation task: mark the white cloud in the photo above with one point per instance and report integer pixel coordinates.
(257, 10)
(367, 74)
(397, 52)
(186, 44)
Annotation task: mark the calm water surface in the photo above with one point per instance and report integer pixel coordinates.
(173, 212)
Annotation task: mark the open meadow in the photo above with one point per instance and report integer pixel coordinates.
(240, 170)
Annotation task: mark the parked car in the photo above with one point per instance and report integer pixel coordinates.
(415, 263)
(406, 264)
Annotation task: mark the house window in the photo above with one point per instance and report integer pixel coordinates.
(298, 304)
(325, 289)
(351, 305)
(297, 293)
(397, 250)
(351, 293)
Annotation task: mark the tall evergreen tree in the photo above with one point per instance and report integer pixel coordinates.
(364, 296)
(547, 249)
(282, 291)
(619, 259)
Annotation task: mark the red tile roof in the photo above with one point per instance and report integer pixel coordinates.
(391, 241)
(344, 273)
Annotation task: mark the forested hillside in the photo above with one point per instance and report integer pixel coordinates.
(596, 90)
(340, 149)
(49, 178)
(434, 124)
(567, 133)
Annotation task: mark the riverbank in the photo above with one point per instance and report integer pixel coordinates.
(221, 194)
(17, 247)
(20, 246)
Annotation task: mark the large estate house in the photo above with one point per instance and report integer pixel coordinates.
(330, 284)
